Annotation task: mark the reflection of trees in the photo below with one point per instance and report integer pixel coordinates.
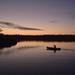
(10, 51)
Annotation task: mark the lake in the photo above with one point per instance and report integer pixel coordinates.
(32, 58)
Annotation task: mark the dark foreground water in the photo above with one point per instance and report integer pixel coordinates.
(32, 58)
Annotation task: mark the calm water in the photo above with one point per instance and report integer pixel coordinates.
(32, 58)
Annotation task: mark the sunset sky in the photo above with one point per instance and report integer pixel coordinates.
(47, 16)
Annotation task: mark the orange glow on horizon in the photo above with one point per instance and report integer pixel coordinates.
(30, 32)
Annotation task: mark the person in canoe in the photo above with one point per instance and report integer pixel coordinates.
(54, 46)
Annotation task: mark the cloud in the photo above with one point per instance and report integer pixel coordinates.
(25, 28)
(12, 25)
(1, 30)
(53, 21)
(6, 23)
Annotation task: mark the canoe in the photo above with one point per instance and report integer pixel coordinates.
(52, 48)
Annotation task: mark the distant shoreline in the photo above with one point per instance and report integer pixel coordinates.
(59, 38)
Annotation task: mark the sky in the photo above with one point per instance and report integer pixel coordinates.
(40, 16)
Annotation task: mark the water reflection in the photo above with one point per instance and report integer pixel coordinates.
(10, 51)
(32, 58)
(27, 47)
(54, 50)
(65, 46)
(62, 49)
